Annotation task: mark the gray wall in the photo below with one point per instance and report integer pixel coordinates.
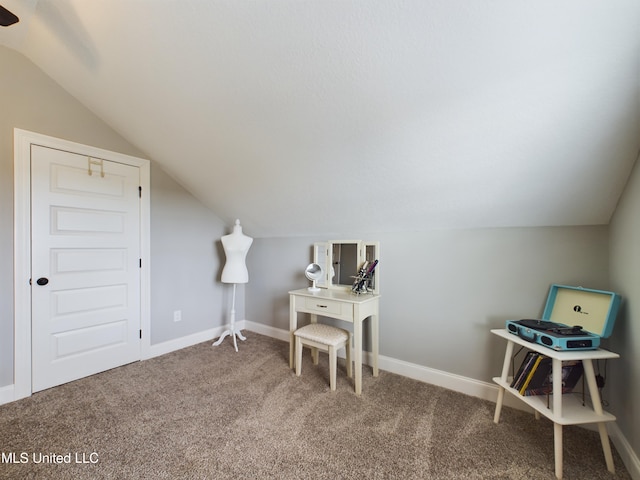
(443, 290)
(624, 373)
(185, 261)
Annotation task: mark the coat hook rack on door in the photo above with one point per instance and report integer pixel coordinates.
(98, 163)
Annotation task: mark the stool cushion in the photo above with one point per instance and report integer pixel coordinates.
(321, 333)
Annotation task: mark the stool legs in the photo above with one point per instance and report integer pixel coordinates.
(333, 361)
(298, 356)
(347, 349)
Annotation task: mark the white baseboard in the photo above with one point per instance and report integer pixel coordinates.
(184, 342)
(7, 394)
(267, 331)
(629, 457)
(450, 381)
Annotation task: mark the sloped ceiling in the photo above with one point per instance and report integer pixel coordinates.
(318, 117)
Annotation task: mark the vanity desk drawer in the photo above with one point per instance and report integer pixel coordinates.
(331, 308)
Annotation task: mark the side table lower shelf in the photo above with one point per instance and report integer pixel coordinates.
(562, 409)
(573, 411)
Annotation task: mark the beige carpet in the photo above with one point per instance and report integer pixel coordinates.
(211, 413)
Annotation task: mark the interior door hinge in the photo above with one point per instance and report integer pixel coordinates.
(140, 333)
(140, 191)
(140, 263)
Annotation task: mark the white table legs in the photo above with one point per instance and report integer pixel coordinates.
(597, 407)
(503, 376)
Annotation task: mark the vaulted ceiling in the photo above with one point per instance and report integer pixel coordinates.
(304, 117)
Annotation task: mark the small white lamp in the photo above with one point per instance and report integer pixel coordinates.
(314, 273)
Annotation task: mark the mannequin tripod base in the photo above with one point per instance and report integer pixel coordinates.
(234, 332)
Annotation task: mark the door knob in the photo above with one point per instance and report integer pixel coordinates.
(42, 281)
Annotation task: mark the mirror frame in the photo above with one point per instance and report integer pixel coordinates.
(366, 250)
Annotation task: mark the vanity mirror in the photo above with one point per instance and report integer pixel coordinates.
(342, 260)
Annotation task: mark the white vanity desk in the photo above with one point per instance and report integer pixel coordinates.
(344, 306)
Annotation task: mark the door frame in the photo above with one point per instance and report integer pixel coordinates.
(22, 142)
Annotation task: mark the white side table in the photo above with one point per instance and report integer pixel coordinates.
(566, 409)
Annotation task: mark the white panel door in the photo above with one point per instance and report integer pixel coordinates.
(85, 266)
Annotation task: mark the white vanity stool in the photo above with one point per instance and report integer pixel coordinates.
(328, 339)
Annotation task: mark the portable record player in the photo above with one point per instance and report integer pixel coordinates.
(574, 318)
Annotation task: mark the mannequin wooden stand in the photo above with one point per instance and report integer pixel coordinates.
(233, 331)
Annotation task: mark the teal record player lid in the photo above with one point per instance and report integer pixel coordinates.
(594, 310)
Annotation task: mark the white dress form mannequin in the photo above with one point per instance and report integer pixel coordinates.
(236, 245)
